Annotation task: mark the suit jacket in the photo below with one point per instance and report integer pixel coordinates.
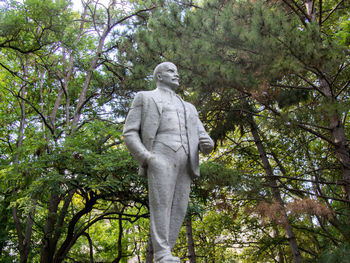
(142, 123)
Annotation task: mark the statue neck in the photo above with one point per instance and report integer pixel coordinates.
(166, 89)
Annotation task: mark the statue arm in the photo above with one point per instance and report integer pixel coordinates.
(206, 144)
(132, 131)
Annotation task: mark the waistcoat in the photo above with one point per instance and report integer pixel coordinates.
(172, 130)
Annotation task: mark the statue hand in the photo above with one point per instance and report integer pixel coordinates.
(206, 145)
(150, 158)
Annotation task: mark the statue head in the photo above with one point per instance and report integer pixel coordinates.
(166, 75)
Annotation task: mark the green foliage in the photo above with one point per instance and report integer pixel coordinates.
(265, 61)
(339, 254)
(27, 27)
(58, 179)
(287, 98)
(344, 33)
(241, 63)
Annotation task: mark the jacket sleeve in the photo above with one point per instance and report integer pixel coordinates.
(132, 131)
(203, 135)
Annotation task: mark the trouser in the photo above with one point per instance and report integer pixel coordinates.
(169, 188)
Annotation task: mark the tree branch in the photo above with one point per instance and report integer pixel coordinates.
(18, 228)
(301, 18)
(38, 112)
(332, 11)
(291, 87)
(91, 254)
(343, 88)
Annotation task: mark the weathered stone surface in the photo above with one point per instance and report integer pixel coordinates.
(164, 134)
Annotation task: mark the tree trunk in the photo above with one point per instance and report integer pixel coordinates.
(62, 215)
(335, 120)
(71, 236)
(190, 241)
(149, 252)
(41, 87)
(91, 247)
(275, 191)
(279, 258)
(24, 240)
(47, 249)
(120, 239)
(4, 221)
(20, 137)
(341, 146)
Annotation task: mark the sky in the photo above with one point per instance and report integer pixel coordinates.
(77, 4)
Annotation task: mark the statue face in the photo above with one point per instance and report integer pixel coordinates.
(169, 76)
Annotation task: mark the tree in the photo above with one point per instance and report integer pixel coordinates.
(270, 80)
(63, 166)
(288, 60)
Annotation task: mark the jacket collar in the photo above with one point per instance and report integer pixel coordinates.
(159, 102)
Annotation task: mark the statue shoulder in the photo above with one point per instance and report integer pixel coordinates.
(190, 106)
(145, 93)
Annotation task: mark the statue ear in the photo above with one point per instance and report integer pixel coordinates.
(159, 76)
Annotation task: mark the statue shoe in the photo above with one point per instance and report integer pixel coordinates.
(169, 259)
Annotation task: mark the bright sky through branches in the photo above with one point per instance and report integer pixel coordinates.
(78, 6)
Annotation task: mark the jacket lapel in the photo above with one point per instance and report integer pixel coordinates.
(158, 101)
(187, 110)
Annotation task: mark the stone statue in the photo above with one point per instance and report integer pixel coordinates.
(164, 134)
